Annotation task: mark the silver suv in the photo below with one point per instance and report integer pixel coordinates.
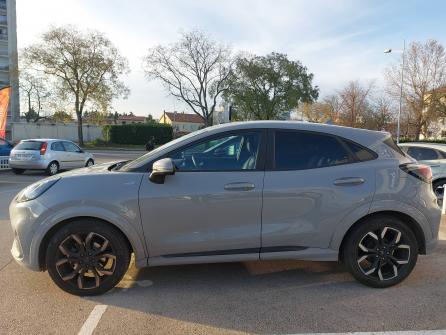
(51, 155)
(236, 192)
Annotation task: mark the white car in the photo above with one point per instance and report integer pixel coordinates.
(434, 155)
(51, 155)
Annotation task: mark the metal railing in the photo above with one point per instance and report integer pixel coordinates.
(4, 162)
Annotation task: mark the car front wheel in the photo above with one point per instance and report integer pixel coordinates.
(87, 257)
(381, 252)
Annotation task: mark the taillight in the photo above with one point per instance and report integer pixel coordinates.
(420, 171)
(43, 148)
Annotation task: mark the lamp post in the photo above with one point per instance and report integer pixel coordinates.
(387, 51)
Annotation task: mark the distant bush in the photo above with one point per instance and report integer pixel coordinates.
(409, 140)
(99, 142)
(138, 133)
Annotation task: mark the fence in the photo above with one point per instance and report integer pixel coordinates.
(4, 162)
(25, 130)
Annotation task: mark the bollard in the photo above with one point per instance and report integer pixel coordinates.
(443, 205)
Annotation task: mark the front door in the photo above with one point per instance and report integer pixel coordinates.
(212, 205)
(74, 155)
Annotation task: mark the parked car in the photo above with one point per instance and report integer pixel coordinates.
(51, 155)
(234, 192)
(5, 147)
(431, 154)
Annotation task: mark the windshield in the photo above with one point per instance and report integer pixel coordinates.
(29, 145)
(130, 165)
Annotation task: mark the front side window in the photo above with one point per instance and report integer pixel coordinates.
(71, 147)
(306, 150)
(227, 153)
(422, 154)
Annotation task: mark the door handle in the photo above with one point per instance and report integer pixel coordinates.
(349, 181)
(239, 186)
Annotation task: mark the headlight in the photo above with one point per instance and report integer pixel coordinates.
(36, 190)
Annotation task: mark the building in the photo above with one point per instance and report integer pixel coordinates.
(182, 123)
(9, 59)
(131, 119)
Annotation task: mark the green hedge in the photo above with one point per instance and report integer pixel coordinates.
(138, 133)
(408, 140)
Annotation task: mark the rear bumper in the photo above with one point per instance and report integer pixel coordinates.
(32, 165)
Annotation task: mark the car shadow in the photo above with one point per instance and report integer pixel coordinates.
(255, 297)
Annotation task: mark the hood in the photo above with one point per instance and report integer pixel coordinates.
(95, 169)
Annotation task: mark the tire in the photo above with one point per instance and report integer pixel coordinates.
(85, 275)
(376, 256)
(18, 171)
(437, 186)
(89, 163)
(52, 169)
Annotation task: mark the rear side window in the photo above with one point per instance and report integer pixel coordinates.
(390, 143)
(29, 145)
(362, 154)
(423, 154)
(306, 150)
(57, 146)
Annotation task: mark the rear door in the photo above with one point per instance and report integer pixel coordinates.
(27, 150)
(314, 180)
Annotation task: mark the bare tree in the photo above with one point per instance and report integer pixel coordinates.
(354, 103)
(85, 68)
(424, 77)
(315, 112)
(194, 70)
(35, 93)
(380, 115)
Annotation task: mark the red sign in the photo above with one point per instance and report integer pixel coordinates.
(4, 101)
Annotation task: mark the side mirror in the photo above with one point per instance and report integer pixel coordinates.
(161, 169)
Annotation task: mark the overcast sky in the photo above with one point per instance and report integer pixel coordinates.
(337, 40)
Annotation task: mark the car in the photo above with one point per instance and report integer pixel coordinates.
(5, 147)
(51, 155)
(434, 155)
(237, 192)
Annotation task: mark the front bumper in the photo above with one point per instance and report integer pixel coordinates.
(25, 164)
(25, 222)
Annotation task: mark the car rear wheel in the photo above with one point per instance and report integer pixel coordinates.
(87, 257)
(18, 171)
(89, 163)
(438, 188)
(53, 168)
(381, 252)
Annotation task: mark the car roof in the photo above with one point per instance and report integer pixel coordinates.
(437, 146)
(44, 140)
(362, 136)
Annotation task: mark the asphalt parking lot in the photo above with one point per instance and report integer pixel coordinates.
(286, 297)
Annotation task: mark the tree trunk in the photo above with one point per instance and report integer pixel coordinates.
(78, 110)
(80, 134)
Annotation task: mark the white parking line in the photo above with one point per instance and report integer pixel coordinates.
(93, 320)
(403, 332)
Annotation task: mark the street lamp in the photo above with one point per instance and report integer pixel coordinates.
(388, 51)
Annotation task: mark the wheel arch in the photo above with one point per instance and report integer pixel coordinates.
(50, 233)
(404, 218)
